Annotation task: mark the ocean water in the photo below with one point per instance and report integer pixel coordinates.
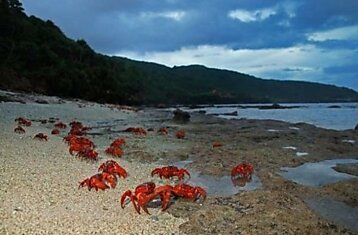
(338, 116)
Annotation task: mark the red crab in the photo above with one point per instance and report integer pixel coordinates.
(243, 170)
(170, 171)
(19, 130)
(23, 121)
(136, 130)
(41, 136)
(145, 193)
(188, 191)
(55, 131)
(68, 138)
(99, 181)
(217, 144)
(163, 131)
(76, 124)
(87, 153)
(74, 140)
(78, 129)
(118, 142)
(114, 151)
(60, 125)
(180, 134)
(112, 167)
(239, 181)
(78, 143)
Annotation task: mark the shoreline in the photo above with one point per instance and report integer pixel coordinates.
(40, 179)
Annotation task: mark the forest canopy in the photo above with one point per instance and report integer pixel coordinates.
(36, 56)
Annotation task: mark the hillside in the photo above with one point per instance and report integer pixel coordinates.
(35, 56)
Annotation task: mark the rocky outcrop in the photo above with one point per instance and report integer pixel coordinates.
(181, 116)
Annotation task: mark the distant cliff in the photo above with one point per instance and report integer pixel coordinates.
(36, 56)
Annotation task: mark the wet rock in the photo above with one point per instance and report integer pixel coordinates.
(276, 106)
(351, 169)
(334, 106)
(230, 114)
(39, 101)
(4, 99)
(181, 116)
(162, 106)
(11, 99)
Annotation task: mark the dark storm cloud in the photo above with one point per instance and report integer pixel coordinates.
(118, 25)
(123, 25)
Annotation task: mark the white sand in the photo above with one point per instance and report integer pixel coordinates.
(39, 180)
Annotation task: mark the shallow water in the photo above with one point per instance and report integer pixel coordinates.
(335, 211)
(317, 174)
(218, 186)
(222, 186)
(319, 114)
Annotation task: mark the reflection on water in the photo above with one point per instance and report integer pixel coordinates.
(223, 186)
(219, 186)
(317, 174)
(335, 211)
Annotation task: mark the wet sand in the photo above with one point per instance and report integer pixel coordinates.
(40, 194)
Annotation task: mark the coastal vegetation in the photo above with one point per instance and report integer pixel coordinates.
(36, 56)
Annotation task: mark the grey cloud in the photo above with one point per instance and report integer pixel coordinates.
(117, 25)
(112, 26)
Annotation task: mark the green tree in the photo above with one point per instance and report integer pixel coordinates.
(14, 5)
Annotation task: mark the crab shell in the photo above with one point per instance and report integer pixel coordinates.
(101, 181)
(189, 192)
(170, 171)
(147, 192)
(41, 136)
(243, 170)
(114, 151)
(112, 167)
(180, 134)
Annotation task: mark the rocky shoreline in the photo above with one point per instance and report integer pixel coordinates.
(40, 180)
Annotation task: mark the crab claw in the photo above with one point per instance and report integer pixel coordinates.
(132, 198)
(165, 192)
(120, 171)
(110, 179)
(124, 196)
(112, 167)
(183, 172)
(156, 171)
(200, 192)
(84, 183)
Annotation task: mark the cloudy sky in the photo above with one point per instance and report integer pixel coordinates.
(311, 40)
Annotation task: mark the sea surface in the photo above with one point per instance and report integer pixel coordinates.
(338, 116)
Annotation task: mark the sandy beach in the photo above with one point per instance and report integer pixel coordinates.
(39, 179)
(40, 195)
